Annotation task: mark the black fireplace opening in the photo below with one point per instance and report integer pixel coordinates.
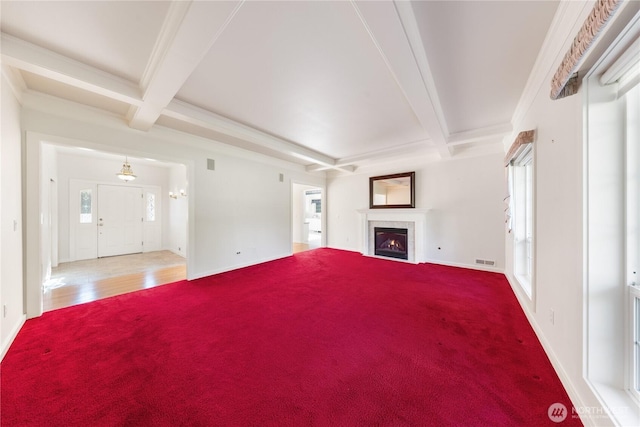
(391, 242)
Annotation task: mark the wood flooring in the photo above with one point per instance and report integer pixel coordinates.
(90, 280)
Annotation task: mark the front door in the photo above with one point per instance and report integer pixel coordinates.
(120, 216)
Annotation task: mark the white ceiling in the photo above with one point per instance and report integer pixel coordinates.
(327, 84)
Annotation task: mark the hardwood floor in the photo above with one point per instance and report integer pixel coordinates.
(314, 241)
(300, 247)
(90, 280)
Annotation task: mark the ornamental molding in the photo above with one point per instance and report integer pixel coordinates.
(562, 84)
(523, 138)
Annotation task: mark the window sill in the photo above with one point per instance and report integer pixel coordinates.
(618, 405)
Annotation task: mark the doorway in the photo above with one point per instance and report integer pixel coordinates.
(307, 215)
(112, 237)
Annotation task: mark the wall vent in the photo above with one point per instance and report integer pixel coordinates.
(479, 261)
(211, 164)
(485, 262)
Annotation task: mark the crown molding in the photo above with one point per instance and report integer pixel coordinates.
(14, 81)
(565, 23)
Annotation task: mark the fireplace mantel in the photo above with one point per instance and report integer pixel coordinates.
(413, 219)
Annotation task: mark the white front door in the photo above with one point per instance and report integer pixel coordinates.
(120, 216)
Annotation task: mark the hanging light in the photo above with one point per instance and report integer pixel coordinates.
(126, 174)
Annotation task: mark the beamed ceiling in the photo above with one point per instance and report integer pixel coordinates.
(326, 84)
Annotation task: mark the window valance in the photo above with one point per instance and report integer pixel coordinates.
(523, 138)
(565, 80)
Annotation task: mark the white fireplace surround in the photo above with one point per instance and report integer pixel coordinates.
(414, 220)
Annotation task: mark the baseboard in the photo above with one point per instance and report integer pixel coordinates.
(469, 266)
(565, 379)
(175, 252)
(237, 266)
(12, 336)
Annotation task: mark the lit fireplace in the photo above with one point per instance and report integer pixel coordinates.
(391, 242)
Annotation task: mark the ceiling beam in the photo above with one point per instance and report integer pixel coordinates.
(43, 62)
(488, 133)
(319, 168)
(393, 29)
(347, 163)
(188, 113)
(188, 32)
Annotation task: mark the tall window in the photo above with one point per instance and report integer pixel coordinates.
(632, 138)
(522, 211)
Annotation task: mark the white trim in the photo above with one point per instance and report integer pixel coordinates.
(565, 378)
(623, 65)
(213, 272)
(12, 336)
(464, 265)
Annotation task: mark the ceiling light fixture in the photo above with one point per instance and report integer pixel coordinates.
(126, 174)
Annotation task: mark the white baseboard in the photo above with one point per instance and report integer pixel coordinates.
(236, 266)
(469, 266)
(565, 379)
(12, 336)
(172, 250)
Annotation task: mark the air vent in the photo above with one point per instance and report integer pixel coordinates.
(485, 262)
(479, 261)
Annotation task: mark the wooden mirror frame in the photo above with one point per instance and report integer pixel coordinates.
(412, 190)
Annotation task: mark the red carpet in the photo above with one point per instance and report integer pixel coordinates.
(325, 338)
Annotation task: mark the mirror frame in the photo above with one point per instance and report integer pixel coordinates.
(411, 175)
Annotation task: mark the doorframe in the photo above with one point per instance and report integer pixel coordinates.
(34, 215)
(95, 184)
(323, 216)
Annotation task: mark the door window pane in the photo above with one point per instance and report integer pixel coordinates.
(86, 216)
(151, 207)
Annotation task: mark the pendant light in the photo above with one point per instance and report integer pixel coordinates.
(126, 174)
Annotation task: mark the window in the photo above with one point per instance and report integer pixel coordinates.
(632, 154)
(612, 230)
(522, 211)
(151, 207)
(86, 216)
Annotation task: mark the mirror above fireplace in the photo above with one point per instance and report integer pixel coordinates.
(392, 191)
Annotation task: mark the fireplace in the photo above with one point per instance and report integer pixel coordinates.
(391, 242)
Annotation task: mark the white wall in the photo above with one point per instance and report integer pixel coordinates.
(11, 283)
(239, 213)
(178, 211)
(557, 308)
(466, 217)
(71, 166)
(557, 230)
